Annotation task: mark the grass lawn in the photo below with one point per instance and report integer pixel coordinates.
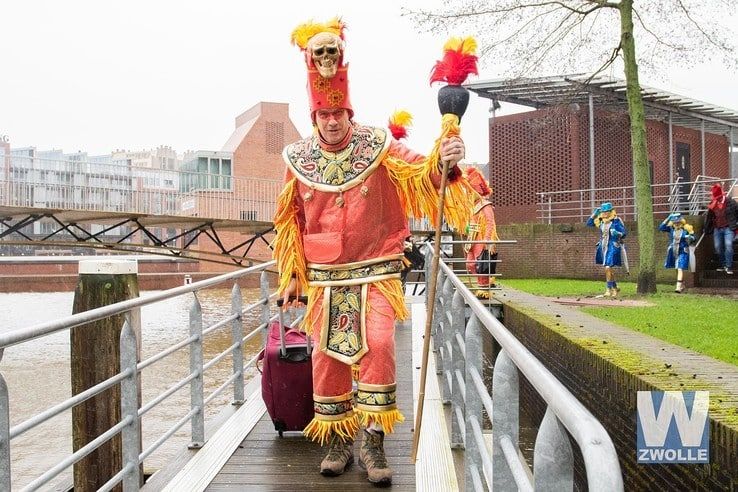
(703, 323)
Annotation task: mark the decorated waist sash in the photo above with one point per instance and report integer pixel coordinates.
(345, 287)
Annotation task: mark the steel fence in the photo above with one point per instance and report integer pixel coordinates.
(89, 186)
(458, 347)
(129, 376)
(689, 197)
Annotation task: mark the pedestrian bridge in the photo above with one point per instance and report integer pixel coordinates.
(469, 439)
(70, 204)
(63, 203)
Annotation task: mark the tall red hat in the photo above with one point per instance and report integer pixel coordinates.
(323, 46)
(717, 191)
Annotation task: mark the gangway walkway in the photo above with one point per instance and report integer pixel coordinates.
(264, 461)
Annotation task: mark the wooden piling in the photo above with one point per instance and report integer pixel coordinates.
(95, 357)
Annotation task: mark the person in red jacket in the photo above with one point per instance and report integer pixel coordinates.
(722, 223)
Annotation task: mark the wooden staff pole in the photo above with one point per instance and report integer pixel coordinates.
(430, 301)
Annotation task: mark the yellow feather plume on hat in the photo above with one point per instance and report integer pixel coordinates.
(399, 123)
(466, 46)
(302, 33)
(401, 117)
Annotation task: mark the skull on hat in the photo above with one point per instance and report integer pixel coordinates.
(325, 51)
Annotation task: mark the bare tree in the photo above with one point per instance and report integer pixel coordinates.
(531, 37)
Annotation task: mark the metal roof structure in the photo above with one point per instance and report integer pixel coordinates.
(608, 93)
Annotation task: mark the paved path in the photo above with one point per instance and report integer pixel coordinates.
(668, 360)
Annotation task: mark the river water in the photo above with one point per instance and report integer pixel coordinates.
(38, 375)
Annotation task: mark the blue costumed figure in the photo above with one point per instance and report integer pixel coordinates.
(681, 235)
(610, 250)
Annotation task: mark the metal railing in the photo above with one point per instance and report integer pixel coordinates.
(88, 186)
(458, 346)
(129, 376)
(689, 197)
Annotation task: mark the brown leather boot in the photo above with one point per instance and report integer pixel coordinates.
(340, 456)
(373, 460)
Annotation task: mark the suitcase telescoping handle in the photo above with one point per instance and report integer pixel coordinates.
(302, 299)
(282, 346)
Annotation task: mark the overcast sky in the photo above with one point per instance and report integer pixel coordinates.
(97, 75)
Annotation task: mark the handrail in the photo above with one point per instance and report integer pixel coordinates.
(104, 187)
(573, 205)
(599, 454)
(129, 376)
(49, 327)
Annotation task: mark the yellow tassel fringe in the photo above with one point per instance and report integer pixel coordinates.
(392, 291)
(322, 430)
(288, 248)
(418, 195)
(387, 418)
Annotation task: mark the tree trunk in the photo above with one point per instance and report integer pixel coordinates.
(643, 197)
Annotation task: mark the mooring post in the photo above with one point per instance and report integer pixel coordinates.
(95, 357)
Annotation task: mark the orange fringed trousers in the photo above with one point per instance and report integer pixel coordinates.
(337, 409)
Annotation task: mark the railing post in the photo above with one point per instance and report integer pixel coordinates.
(505, 419)
(581, 206)
(436, 331)
(237, 336)
(472, 456)
(131, 434)
(196, 385)
(447, 337)
(553, 460)
(457, 358)
(4, 432)
(265, 311)
(550, 213)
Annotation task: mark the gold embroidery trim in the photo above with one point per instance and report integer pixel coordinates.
(355, 264)
(374, 388)
(325, 328)
(333, 418)
(333, 399)
(352, 183)
(374, 271)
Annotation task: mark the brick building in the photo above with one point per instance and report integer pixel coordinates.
(550, 149)
(256, 144)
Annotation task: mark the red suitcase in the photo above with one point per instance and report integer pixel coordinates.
(287, 376)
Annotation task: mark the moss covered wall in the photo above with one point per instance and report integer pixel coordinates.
(606, 378)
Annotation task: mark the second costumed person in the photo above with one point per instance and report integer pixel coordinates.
(341, 222)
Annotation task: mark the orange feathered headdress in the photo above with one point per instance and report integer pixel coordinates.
(477, 181)
(399, 122)
(324, 92)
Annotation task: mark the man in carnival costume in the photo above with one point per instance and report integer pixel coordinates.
(610, 250)
(681, 235)
(341, 222)
(482, 227)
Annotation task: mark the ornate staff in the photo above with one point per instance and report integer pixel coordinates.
(458, 62)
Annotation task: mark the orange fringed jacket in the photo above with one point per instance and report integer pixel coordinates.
(353, 205)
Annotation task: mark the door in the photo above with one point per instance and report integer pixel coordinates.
(682, 165)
